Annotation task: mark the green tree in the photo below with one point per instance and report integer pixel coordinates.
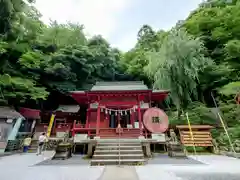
(176, 67)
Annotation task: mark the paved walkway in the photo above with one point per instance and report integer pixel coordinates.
(213, 167)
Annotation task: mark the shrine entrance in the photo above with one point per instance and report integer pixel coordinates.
(123, 119)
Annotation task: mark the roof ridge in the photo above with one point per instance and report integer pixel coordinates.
(106, 83)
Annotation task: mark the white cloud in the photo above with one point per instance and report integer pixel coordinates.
(98, 16)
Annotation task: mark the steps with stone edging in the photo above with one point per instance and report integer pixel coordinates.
(118, 152)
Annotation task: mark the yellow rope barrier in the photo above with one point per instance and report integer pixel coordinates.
(225, 129)
(191, 134)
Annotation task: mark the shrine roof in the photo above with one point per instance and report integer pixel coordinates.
(119, 86)
(68, 108)
(9, 113)
(29, 113)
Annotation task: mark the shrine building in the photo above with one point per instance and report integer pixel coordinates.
(106, 107)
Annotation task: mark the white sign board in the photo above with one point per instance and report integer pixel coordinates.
(161, 137)
(80, 137)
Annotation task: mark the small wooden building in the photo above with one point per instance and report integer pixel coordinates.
(8, 117)
(200, 135)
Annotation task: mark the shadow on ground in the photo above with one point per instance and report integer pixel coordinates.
(165, 159)
(74, 160)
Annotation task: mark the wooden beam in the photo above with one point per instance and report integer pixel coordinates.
(118, 103)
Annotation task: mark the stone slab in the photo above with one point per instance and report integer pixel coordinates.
(119, 173)
(164, 159)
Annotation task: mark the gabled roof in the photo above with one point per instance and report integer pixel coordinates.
(9, 113)
(68, 108)
(119, 86)
(30, 113)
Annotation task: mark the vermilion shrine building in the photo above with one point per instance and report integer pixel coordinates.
(102, 109)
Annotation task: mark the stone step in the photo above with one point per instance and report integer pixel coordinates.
(119, 144)
(119, 147)
(117, 156)
(122, 151)
(99, 162)
(118, 140)
(176, 154)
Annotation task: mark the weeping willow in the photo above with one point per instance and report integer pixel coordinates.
(176, 66)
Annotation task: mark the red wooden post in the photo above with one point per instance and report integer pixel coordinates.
(73, 129)
(139, 116)
(98, 119)
(132, 118)
(118, 118)
(87, 120)
(150, 100)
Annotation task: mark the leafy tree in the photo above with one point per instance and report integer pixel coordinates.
(176, 66)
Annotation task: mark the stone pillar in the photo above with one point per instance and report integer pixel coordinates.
(147, 149)
(90, 149)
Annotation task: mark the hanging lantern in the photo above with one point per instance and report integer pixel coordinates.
(134, 110)
(106, 112)
(121, 113)
(101, 109)
(116, 113)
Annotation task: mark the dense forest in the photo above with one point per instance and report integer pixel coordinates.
(198, 60)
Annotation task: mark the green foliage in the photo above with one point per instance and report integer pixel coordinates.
(176, 66)
(38, 59)
(232, 88)
(198, 114)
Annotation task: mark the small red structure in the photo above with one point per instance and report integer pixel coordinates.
(111, 104)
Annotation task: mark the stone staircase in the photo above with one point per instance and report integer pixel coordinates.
(34, 146)
(118, 152)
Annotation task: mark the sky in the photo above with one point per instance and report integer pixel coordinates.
(117, 20)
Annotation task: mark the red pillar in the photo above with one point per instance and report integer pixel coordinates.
(118, 118)
(150, 100)
(73, 129)
(140, 116)
(98, 119)
(87, 120)
(132, 116)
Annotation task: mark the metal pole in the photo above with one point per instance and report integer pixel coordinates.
(224, 127)
(191, 134)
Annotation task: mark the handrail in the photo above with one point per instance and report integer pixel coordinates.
(119, 148)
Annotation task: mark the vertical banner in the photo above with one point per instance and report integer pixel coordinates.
(50, 125)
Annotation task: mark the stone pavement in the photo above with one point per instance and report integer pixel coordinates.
(212, 167)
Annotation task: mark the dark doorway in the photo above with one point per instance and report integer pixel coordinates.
(112, 120)
(125, 120)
